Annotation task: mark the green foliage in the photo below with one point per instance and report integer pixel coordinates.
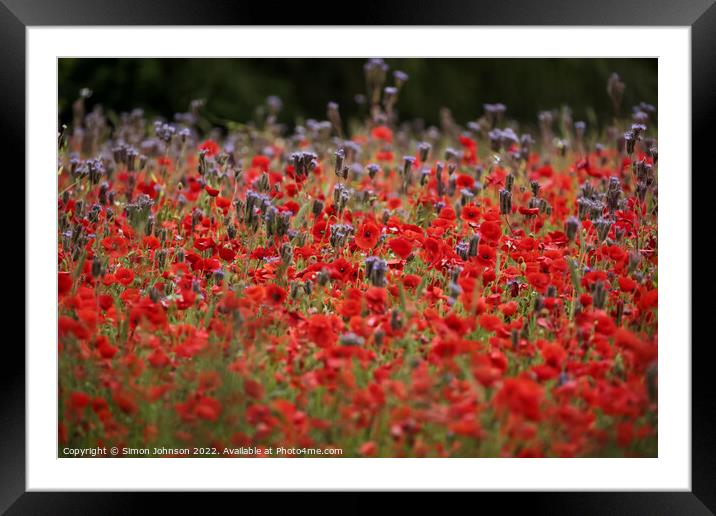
(234, 88)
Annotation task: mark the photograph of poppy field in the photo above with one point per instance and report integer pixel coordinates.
(357, 258)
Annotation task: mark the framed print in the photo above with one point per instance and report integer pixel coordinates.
(449, 249)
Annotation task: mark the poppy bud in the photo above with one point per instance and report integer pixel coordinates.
(317, 207)
(262, 183)
(282, 223)
(454, 290)
(297, 237)
(583, 205)
(270, 220)
(340, 156)
(638, 129)
(599, 294)
(641, 189)
(562, 378)
(161, 257)
(337, 190)
(379, 335)
(551, 291)
(654, 153)
(231, 230)
(439, 178)
(351, 339)
(450, 155)
(535, 187)
(474, 243)
(462, 249)
(323, 277)
(466, 196)
(509, 181)
(544, 206)
(408, 162)
(602, 226)
(455, 273)
(149, 227)
(571, 226)
(395, 322)
(457, 207)
(634, 260)
(96, 267)
(629, 142)
(478, 172)
(423, 150)
(596, 209)
(614, 192)
(505, 202)
(286, 253)
(77, 231)
(296, 288)
(375, 270)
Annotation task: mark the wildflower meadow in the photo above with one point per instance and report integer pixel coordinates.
(358, 287)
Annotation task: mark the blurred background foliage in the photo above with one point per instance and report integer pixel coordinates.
(233, 88)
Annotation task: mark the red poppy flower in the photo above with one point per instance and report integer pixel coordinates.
(368, 449)
(376, 298)
(78, 400)
(124, 276)
(320, 230)
(211, 147)
(401, 247)
(261, 162)
(125, 402)
(539, 281)
(486, 254)
(368, 235)
(208, 408)
(383, 133)
(411, 281)
(464, 181)
(275, 294)
(321, 330)
(470, 213)
(522, 397)
(490, 230)
(64, 282)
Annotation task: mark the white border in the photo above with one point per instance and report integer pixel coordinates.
(670, 471)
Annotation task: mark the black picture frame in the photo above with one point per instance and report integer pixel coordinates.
(700, 15)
